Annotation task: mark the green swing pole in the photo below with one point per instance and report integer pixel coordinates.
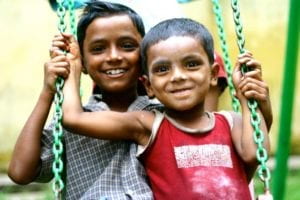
(287, 99)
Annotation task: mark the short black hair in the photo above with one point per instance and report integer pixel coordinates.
(96, 8)
(177, 27)
(222, 83)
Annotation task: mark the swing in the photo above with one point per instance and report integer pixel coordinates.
(261, 153)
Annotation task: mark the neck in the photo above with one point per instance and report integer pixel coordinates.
(192, 118)
(119, 101)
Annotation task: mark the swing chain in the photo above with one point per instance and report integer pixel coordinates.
(261, 153)
(61, 12)
(238, 25)
(57, 167)
(71, 8)
(57, 131)
(228, 66)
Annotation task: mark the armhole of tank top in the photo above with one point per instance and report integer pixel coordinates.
(228, 117)
(156, 124)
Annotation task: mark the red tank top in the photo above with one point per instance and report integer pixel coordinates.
(185, 166)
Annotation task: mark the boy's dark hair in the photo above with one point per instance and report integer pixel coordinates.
(177, 27)
(95, 9)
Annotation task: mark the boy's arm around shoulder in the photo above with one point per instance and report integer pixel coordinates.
(135, 126)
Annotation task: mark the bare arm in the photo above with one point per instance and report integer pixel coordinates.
(134, 126)
(242, 132)
(25, 162)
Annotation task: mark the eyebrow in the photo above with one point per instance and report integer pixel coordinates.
(192, 56)
(160, 61)
(96, 40)
(125, 37)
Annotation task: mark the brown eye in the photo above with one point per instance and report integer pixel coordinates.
(160, 69)
(128, 44)
(192, 64)
(97, 48)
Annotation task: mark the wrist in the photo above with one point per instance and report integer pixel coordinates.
(76, 69)
(47, 94)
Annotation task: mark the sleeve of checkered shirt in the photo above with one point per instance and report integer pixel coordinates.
(47, 156)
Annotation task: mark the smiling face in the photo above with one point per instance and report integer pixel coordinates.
(179, 73)
(111, 53)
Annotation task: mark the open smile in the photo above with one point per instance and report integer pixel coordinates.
(115, 72)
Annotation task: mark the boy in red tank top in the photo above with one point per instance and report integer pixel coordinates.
(188, 153)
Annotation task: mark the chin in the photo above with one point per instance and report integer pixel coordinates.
(180, 107)
(120, 89)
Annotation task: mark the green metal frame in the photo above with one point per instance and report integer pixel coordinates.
(287, 101)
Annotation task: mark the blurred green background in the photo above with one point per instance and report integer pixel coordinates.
(27, 28)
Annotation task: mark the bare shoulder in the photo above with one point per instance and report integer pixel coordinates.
(235, 115)
(234, 119)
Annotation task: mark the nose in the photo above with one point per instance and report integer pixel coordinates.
(178, 74)
(113, 54)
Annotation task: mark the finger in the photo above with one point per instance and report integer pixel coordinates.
(61, 57)
(245, 54)
(54, 51)
(59, 37)
(58, 68)
(61, 72)
(59, 43)
(248, 81)
(251, 64)
(255, 74)
(67, 36)
(252, 86)
(255, 91)
(252, 94)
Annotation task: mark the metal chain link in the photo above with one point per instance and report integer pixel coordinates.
(57, 167)
(71, 8)
(228, 66)
(261, 153)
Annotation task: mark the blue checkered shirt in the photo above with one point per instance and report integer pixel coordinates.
(98, 169)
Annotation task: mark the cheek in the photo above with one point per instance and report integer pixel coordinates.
(157, 83)
(134, 57)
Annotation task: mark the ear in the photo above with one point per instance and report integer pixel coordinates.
(214, 74)
(145, 80)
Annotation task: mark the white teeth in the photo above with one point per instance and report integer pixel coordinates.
(115, 71)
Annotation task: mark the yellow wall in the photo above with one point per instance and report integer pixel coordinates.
(27, 28)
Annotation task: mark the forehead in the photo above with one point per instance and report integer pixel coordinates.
(111, 27)
(175, 48)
